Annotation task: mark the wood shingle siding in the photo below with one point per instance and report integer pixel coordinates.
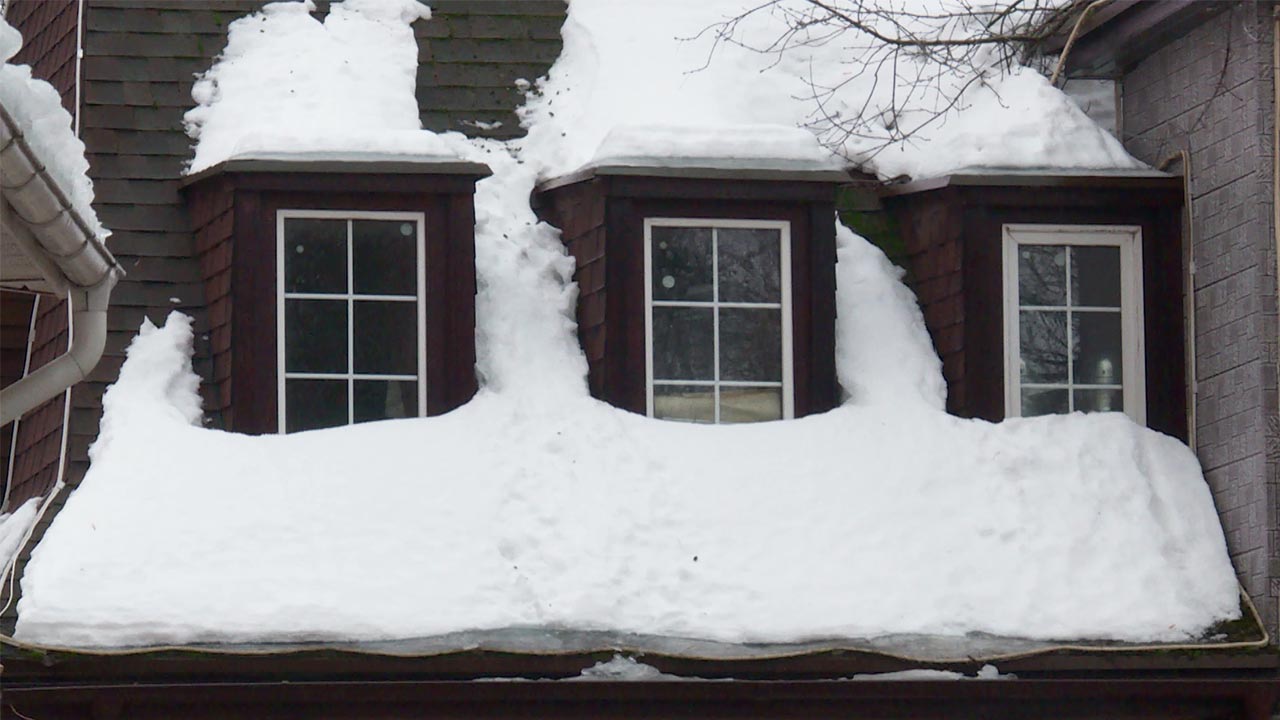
(48, 30)
(16, 307)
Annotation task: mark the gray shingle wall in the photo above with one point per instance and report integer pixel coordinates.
(1210, 92)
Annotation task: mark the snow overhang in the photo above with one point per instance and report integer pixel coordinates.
(47, 246)
(703, 169)
(1040, 177)
(343, 163)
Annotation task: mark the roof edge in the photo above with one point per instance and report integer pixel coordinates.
(338, 164)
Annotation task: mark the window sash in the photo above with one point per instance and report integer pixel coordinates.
(786, 384)
(1128, 239)
(350, 377)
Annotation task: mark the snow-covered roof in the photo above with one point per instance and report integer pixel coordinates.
(655, 76)
(537, 509)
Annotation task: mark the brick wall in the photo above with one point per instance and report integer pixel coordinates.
(1210, 92)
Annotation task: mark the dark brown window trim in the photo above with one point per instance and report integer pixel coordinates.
(952, 228)
(234, 214)
(602, 213)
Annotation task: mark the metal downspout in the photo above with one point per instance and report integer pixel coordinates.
(88, 339)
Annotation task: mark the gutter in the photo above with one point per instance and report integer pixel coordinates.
(38, 215)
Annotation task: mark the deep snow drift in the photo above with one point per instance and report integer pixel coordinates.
(513, 511)
(47, 126)
(537, 506)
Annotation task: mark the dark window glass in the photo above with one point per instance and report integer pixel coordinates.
(1097, 351)
(315, 336)
(1099, 400)
(749, 264)
(315, 404)
(1042, 275)
(683, 343)
(1043, 402)
(748, 404)
(750, 344)
(681, 263)
(1095, 276)
(315, 255)
(685, 402)
(383, 399)
(386, 337)
(383, 257)
(1043, 343)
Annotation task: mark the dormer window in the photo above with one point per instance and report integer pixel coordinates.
(718, 319)
(351, 315)
(348, 285)
(705, 294)
(1052, 294)
(1073, 320)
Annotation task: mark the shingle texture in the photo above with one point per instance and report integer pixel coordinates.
(1210, 92)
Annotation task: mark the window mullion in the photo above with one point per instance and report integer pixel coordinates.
(715, 319)
(351, 325)
(1071, 396)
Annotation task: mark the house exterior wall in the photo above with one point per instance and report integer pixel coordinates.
(16, 309)
(48, 30)
(140, 61)
(1210, 92)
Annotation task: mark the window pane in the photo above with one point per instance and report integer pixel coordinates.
(386, 337)
(1043, 341)
(315, 336)
(683, 343)
(750, 344)
(681, 263)
(384, 257)
(1043, 402)
(739, 404)
(684, 402)
(1042, 275)
(1099, 400)
(312, 404)
(750, 265)
(382, 399)
(1097, 348)
(315, 255)
(1095, 276)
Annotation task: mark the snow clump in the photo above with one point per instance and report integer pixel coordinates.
(48, 128)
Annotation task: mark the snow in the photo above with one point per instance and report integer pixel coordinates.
(515, 511)
(622, 668)
(986, 672)
(37, 108)
(13, 530)
(626, 669)
(288, 83)
(688, 85)
(744, 146)
(536, 506)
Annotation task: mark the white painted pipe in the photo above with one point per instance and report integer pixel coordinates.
(88, 339)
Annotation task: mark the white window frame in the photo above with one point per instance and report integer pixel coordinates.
(1128, 238)
(420, 221)
(788, 381)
